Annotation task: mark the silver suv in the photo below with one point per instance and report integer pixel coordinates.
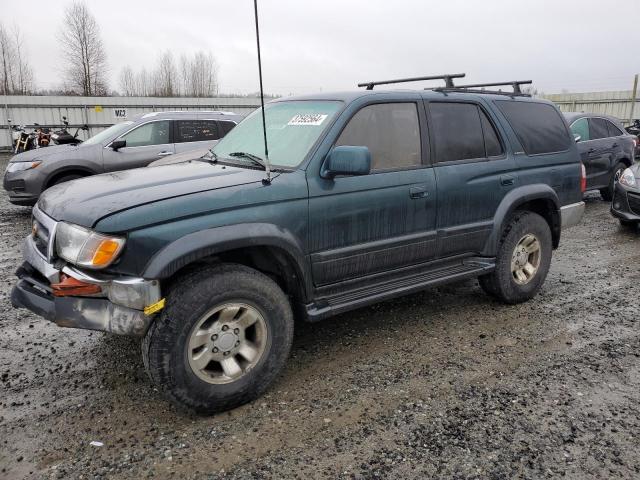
(131, 144)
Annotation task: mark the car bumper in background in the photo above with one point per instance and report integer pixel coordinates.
(18, 186)
(571, 214)
(626, 204)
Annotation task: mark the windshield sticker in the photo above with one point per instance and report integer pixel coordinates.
(307, 119)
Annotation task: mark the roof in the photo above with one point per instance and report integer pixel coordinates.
(192, 114)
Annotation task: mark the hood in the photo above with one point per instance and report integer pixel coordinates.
(55, 152)
(87, 200)
(180, 157)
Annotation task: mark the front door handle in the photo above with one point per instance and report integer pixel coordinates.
(614, 145)
(164, 154)
(418, 192)
(507, 180)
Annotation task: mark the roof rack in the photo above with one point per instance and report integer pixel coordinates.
(448, 80)
(517, 91)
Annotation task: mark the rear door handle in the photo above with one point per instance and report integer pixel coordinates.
(164, 154)
(614, 145)
(591, 150)
(418, 192)
(507, 180)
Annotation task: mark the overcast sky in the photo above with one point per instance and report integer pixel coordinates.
(309, 46)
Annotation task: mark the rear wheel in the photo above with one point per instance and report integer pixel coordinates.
(523, 260)
(222, 339)
(607, 193)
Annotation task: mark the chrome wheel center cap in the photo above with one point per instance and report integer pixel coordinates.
(226, 341)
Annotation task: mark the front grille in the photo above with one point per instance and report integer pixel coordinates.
(634, 202)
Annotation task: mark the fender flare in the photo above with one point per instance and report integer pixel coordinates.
(204, 243)
(511, 201)
(68, 168)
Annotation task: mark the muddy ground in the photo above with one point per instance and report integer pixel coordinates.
(442, 384)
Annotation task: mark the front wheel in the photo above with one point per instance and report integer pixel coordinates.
(523, 259)
(223, 337)
(607, 193)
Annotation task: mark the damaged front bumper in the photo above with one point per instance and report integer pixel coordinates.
(118, 307)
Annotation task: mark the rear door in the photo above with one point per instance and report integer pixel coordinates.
(145, 143)
(473, 173)
(371, 224)
(599, 152)
(196, 134)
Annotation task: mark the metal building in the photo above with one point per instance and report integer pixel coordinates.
(101, 112)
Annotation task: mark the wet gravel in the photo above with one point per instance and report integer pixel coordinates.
(446, 383)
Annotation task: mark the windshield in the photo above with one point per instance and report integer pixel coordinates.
(105, 135)
(292, 129)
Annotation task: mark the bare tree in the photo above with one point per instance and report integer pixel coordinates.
(127, 82)
(166, 76)
(143, 83)
(203, 76)
(84, 52)
(16, 75)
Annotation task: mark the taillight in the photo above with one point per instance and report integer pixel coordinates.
(583, 178)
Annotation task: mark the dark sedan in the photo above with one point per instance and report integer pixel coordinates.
(605, 149)
(626, 200)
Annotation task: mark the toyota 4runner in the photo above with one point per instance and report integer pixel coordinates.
(372, 195)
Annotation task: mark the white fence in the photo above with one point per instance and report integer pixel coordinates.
(101, 112)
(617, 104)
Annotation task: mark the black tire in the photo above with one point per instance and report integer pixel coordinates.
(607, 193)
(188, 299)
(501, 282)
(65, 178)
(630, 224)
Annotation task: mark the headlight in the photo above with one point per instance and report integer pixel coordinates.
(20, 166)
(85, 248)
(628, 179)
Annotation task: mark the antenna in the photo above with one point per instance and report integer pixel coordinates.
(264, 122)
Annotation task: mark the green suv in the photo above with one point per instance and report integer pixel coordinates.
(372, 195)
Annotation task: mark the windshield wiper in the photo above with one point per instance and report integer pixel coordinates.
(250, 156)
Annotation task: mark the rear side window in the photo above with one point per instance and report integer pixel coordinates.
(538, 126)
(581, 127)
(598, 128)
(462, 131)
(391, 131)
(196, 130)
(613, 130)
(225, 127)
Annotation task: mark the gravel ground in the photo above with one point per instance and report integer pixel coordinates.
(442, 384)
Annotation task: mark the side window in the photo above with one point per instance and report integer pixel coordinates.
(598, 128)
(196, 130)
(225, 127)
(457, 131)
(391, 131)
(613, 130)
(581, 127)
(492, 143)
(538, 126)
(153, 133)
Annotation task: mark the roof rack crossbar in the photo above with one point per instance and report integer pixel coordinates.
(448, 80)
(514, 83)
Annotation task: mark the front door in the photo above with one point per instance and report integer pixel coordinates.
(365, 225)
(599, 152)
(473, 173)
(145, 143)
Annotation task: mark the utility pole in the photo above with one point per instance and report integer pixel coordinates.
(634, 96)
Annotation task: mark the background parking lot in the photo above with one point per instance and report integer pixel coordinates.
(446, 383)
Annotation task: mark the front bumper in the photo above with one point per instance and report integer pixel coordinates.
(23, 187)
(571, 214)
(626, 203)
(119, 308)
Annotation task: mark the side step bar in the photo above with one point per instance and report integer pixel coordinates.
(352, 299)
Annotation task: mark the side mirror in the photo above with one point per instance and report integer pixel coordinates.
(577, 137)
(118, 144)
(347, 160)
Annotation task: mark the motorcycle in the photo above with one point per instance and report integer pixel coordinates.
(634, 129)
(63, 137)
(43, 136)
(22, 140)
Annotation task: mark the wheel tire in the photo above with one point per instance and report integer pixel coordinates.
(501, 282)
(607, 193)
(630, 224)
(65, 178)
(189, 299)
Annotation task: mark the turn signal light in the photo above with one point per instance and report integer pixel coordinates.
(105, 252)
